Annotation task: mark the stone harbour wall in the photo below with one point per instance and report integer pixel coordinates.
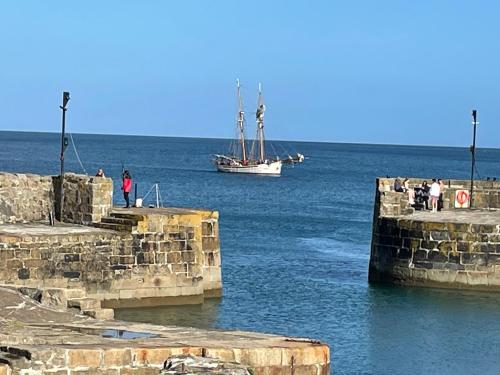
(25, 197)
(392, 203)
(416, 252)
(31, 198)
(181, 254)
(212, 278)
(134, 257)
(455, 248)
(60, 260)
(111, 266)
(162, 257)
(87, 199)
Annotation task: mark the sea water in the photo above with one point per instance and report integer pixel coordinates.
(295, 248)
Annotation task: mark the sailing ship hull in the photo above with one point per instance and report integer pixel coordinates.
(273, 168)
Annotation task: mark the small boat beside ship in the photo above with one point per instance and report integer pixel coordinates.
(241, 159)
(298, 158)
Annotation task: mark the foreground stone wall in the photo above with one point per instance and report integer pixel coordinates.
(25, 197)
(452, 248)
(38, 341)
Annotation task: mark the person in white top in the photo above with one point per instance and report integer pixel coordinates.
(434, 193)
(410, 191)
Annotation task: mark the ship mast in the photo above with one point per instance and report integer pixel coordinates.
(241, 128)
(261, 108)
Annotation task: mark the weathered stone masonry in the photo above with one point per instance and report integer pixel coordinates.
(37, 340)
(453, 248)
(135, 257)
(86, 199)
(25, 197)
(30, 198)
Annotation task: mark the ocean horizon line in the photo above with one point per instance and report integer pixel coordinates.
(228, 139)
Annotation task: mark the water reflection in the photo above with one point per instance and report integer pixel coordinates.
(198, 316)
(125, 335)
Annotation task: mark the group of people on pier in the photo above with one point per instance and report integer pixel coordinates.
(419, 196)
(126, 184)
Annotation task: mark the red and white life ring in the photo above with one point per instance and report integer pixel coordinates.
(462, 199)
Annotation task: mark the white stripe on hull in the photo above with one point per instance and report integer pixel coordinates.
(272, 168)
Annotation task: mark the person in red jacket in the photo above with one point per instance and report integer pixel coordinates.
(126, 187)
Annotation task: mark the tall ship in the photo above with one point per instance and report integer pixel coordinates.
(241, 159)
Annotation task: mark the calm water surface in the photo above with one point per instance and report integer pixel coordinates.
(295, 249)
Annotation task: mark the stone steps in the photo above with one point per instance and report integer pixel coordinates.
(119, 220)
(130, 216)
(115, 226)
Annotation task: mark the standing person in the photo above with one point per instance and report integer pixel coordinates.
(100, 173)
(442, 188)
(410, 191)
(126, 187)
(425, 194)
(435, 191)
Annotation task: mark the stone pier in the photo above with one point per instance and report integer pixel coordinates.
(171, 256)
(37, 340)
(452, 248)
(100, 256)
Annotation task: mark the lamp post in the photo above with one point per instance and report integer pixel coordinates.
(473, 154)
(64, 144)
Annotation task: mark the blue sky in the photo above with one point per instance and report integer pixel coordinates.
(403, 72)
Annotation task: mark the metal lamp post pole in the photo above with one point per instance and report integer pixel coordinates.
(64, 144)
(473, 152)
